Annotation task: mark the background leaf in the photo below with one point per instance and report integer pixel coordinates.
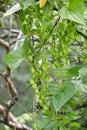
(14, 9)
(83, 75)
(14, 58)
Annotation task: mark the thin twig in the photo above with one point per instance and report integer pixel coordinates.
(80, 106)
(83, 35)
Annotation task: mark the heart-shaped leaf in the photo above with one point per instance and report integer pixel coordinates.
(74, 12)
(63, 96)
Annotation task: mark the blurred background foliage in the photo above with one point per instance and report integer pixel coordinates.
(21, 75)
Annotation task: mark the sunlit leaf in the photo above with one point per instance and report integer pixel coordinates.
(42, 3)
(18, 7)
(14, 9)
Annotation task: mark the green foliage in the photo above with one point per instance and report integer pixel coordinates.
(74, 11)
(18, 7)
(14, 9)
(63, 96)
(14, 58)
(56, 63)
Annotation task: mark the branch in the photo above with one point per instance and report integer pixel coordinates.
(4, 44)
(12, 90)
(80, 106)
(12, 123)
(83, 35)
(9, 118)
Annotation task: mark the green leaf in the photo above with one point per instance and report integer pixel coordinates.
(74, 3)
(61, 127)
(18, 7)
(47, 123)
(84, 79)
(14, 9)
(75, 126)
(14, 58)
(74, 12)
(69, 116)
(28, 3)
(63, 96)
(26, 47)
(52, 87)
(74, 71)
(42, 123)
(53, 125)
(83, 75)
